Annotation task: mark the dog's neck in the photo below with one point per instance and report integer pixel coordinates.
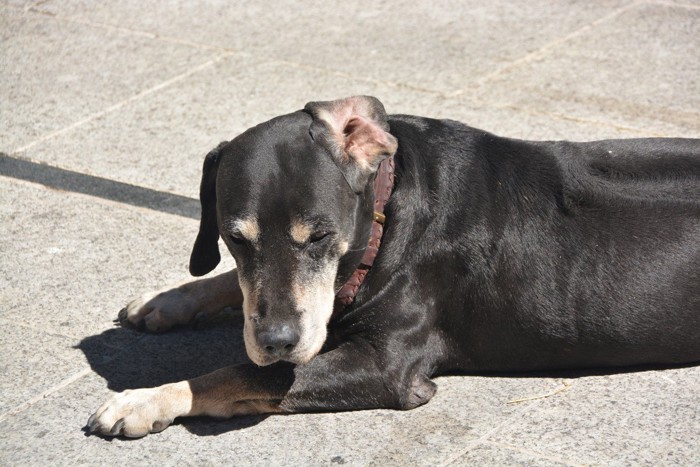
(383, 185)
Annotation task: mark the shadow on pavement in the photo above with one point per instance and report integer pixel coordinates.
(68, 180)
(128, 359)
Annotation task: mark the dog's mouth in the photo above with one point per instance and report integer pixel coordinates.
(308, 346)
(261, 358)
(264, 360)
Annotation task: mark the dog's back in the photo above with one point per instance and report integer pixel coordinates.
(553, 254)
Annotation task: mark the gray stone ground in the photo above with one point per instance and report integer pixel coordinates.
(106, 111)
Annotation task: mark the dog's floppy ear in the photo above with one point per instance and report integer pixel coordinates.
(356, 132)
(205, 254)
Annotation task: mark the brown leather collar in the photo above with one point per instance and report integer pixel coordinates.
(383, 185)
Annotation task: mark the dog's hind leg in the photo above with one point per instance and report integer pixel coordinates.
(161, 310)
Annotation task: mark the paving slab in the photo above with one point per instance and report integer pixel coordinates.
(639, 69)
(646, 418)
(55, 73)
(33, 362)
(501, 454)
(70, 261)
(400, 41)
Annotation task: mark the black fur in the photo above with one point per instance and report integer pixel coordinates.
(498, 254)
(516, 255)
(205, 254)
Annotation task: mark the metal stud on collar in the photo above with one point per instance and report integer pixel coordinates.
(379, 217)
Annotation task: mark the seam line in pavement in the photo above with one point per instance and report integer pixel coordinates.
(25, 405)
(460, 95)
(122, 103)
(481, 439)
(59, 335)
(638, 132)
(228, 50)
(76, 182)
(527, 58)
(530, 452)
(96, 24)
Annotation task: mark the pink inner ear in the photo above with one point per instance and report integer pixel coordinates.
(365, 141)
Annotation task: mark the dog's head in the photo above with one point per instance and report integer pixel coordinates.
(292, 199)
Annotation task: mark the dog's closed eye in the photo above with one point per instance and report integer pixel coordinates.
(318, 236)
(236, 239)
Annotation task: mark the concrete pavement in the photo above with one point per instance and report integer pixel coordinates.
(106, 112)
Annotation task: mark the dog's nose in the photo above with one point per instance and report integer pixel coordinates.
(278, 340)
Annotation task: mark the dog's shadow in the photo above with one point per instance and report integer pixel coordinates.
(128, 359)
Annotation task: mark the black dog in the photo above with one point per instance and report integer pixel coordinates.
(496, 255)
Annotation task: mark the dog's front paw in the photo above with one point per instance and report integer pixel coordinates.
(159, 311)
(132, 413)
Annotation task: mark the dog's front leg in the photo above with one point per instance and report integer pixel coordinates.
(343, 379)
(235, 390)
(161, 310)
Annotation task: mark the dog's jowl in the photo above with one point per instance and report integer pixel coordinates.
(423, 247)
